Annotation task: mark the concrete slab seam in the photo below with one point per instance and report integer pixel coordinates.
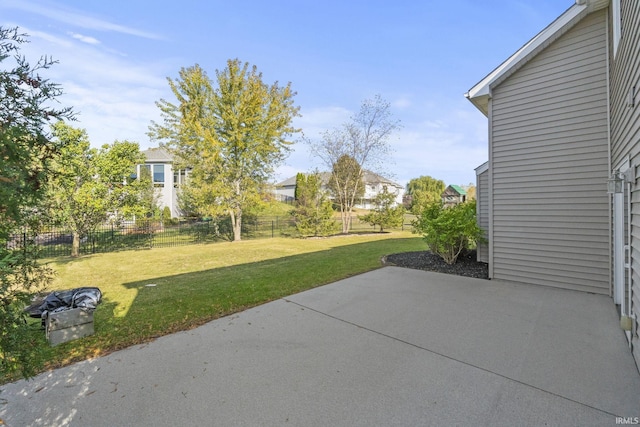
(452, 358)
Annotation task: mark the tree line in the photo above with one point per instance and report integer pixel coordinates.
(231, 131)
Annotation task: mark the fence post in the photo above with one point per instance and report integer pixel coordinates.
(272, 228)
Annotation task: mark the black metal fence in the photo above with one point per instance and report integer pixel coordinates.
(54, 242)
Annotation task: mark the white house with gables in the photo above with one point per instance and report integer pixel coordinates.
(559, 198)
(166, 179)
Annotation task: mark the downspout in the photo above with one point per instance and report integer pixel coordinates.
(609, 159)
(490, 178)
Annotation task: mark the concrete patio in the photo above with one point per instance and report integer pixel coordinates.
(390, 347)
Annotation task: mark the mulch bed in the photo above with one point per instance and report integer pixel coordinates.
(466, 265)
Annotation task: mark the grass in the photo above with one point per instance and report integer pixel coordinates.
(195, 284)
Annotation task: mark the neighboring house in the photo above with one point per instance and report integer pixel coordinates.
(453, 195)
(285, 191)
(166, 179)
(374, 184)
(563, 128)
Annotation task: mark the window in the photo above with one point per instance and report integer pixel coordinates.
(158, 174)
(617, 25)
(179, 177)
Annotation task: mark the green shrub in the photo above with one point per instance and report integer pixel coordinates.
(385, 214)
(449, 231)
(166, 215)
(313, 213)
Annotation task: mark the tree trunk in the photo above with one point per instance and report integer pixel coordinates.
(236, 222)
(345, 221)
(75, 246)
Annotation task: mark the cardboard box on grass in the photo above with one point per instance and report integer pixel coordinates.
(68, 325)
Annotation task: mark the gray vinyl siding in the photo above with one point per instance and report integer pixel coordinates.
(482, 212)
(549, 165)
(625, 131)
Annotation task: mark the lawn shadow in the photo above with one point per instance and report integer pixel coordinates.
(166, 304)
(170, 303)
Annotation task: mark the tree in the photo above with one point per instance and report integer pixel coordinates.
(471, 192)
(148, 198)
(129, 195)
(347, 187)
(300, 185)
(313, 213)
(386, 212)
(88, 184)
(77, 200)
(424, 191)
(449, 231)
(362, 143)
(26, 150)
(232, 136)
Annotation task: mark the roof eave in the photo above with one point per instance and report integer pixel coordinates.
(480, 93)
(482, 168)
(481, 102)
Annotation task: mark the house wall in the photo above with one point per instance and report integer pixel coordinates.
(285, 194)
(625, 130)
(548, 162)
(371, 190)
(165, 192)
(482, 212)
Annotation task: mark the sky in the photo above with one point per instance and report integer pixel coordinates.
(419, 55)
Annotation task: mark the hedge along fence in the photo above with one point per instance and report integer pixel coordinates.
(55, 242)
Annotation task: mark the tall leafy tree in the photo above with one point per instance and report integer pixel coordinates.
(424, 191)
(26, 150)
(386, 212)
(313, 213)
(129, 195)
(363, 141)
(91, 184)
(232, 134)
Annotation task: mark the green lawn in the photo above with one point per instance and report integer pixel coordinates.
(195, 284)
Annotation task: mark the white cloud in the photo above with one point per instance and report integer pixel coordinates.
(66, 15)
(442, 149)
(317, 120)
(85, 39)
(113, 96)
(449, 144)
(402, 103)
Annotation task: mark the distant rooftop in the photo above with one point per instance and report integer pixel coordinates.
(158, 155)
(369, 178)
(458, 189)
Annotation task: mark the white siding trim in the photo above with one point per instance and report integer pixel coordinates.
(617, 25)
(609, 160)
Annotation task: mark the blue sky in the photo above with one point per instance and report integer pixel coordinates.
(420, 55)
